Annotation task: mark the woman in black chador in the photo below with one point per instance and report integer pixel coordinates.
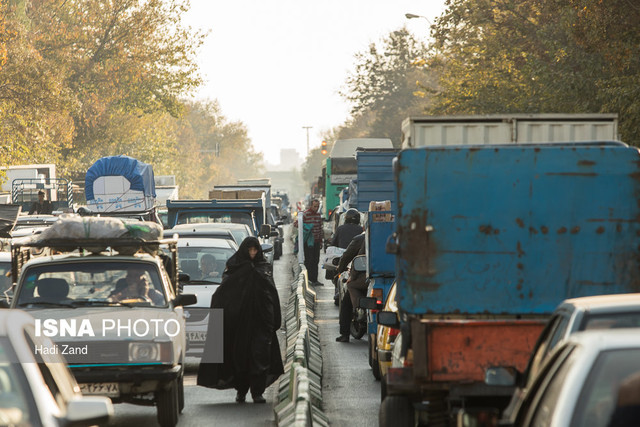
(252, 316)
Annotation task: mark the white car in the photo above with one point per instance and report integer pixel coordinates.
(40, 389)
(127, 347)
(592, 379)
(574, 315)
(193, 251)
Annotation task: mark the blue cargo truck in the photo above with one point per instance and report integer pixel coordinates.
(380, 272)
(375, 177)
(490, 239)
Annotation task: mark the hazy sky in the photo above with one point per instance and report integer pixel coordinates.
(277, 65)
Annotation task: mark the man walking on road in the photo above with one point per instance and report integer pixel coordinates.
(312, 219)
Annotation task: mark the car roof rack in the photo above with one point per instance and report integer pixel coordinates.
(21, 250)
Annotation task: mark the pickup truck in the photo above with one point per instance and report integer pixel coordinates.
(130, 348)
(252, 212)
(490, 239)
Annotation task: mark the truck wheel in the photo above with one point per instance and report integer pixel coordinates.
(396, 411)
(181, 393)
(167, 403)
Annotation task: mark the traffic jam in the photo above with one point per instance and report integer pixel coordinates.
(284, 213)
(489, 284)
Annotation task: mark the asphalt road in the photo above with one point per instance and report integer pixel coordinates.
(350, 393)
(209, 407)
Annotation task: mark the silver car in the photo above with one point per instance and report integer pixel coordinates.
(26, 398)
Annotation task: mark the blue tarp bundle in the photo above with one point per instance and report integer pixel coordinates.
(139, 174)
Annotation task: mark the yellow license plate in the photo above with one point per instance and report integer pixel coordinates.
(102, 389)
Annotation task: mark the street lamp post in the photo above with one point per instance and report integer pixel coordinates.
(412, 16)
(307, 128)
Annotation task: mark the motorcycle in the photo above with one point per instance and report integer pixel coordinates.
(330, 263)
(358, 325)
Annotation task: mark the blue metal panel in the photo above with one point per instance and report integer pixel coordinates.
(375, 178)
(515, 230)
(381, 264)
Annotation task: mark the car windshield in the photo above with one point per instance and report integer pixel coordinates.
(612, 320)
(612, 383)
(239, 235)
(215, 217)
(73, 284)
(14, 409)
(204, 264)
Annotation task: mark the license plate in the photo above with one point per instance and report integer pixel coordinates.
(197, 336)
(103, 389)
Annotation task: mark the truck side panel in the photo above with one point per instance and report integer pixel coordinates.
(515, 229)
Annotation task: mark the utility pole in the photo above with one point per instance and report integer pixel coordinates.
(307, 128)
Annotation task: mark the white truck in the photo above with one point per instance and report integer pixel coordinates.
(508, 129)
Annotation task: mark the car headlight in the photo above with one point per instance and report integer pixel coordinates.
(144, 352)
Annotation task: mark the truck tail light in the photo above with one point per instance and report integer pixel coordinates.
(408, 361)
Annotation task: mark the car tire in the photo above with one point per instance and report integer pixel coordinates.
(396, 411)
(167, 402)
(383, 388)
(376, 367)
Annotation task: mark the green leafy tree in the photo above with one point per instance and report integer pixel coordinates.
(382, 89)
(538, 56)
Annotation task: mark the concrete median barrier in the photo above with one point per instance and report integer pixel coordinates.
(300, 389)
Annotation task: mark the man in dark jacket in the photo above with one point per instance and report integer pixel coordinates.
(355, 248)
(347, 231)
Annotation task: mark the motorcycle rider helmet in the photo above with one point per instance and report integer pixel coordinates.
(352, 216)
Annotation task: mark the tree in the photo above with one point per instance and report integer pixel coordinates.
(33, 99)
(202, 128)
(382, 89)
(120, 60)
(538, 56)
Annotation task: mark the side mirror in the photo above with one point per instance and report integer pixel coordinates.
(391, 247)
(389, 318)
(501, 376)
(89, 410)
(183, 277)
(265, 230)
(369, 303)
(266, 247)
(183, 300)
(360, 263)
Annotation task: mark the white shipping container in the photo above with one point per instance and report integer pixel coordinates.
(508, 129)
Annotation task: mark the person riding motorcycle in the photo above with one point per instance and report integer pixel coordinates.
(347, 231)
(355, 284)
